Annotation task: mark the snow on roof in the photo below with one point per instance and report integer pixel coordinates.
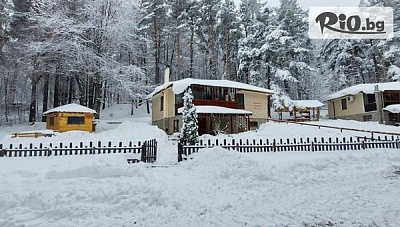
(307, 103)
(180, 86)
(395, 108)
(73, 107)
(217, 110)
(365, 88)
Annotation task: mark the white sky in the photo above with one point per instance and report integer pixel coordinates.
(306, 4)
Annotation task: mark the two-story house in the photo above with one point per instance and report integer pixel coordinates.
(221, 105)
(359, 102)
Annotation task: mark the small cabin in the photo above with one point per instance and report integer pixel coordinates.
(70, 117)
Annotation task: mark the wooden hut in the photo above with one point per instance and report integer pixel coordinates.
(70, 117)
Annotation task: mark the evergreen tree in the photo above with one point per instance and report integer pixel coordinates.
(189, 130)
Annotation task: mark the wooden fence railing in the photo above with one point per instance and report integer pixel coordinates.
(147, 150)
(279, 145)
(338, 128)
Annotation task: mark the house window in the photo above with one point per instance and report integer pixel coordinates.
(240, 101)
(176, 125)
(369, 98)
(76, 120)
(367, 118)
(392, 117)
(51, 121)
(344, 104)
(197, 92)
(391, 97)
(179, 98)
(369, 102)
(162, 103)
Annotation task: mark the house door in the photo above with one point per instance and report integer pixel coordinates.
(202, 125)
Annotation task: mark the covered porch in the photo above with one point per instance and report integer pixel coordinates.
(301, 110)
(215, 120)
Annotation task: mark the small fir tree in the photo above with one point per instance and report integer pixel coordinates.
(189, 130)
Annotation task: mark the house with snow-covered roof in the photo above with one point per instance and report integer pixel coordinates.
(70, 117)
(221, 105)
(359, 102)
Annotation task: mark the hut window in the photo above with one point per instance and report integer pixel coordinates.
(76, 120)
(392, 117)
(162, 103)
(51, 121)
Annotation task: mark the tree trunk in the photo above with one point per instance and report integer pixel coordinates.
(213, 55)
(104, 95)
(377, 76)
(70, 89)
(90, 96)
(97, 95)
(191, 50)
(81, 90)
(45, 94)
(228, 56)
(157, 52)
(56, 97)
(32, 108)
(178, 50)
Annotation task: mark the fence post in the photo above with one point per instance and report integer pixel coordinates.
(3, 153)
(180, 152)
(363, 144)
(274, 146)
(143, 155)
(312, 146)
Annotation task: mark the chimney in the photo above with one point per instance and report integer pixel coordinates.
(166, 74)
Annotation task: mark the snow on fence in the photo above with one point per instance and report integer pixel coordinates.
(278, 145)
(147, 150)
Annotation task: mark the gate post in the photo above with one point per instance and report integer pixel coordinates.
(180, 152)
(143, 154)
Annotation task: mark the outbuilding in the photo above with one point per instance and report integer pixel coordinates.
(70, 117)
(309, 110)
(364, 102)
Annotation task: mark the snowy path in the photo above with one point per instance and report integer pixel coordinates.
(216, 188)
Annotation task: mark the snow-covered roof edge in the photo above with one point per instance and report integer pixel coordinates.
(307, 103)
(395, 108)
(180, 86)
(365, 88)
(72, 108)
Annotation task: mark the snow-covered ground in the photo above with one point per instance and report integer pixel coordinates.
(215, 188)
